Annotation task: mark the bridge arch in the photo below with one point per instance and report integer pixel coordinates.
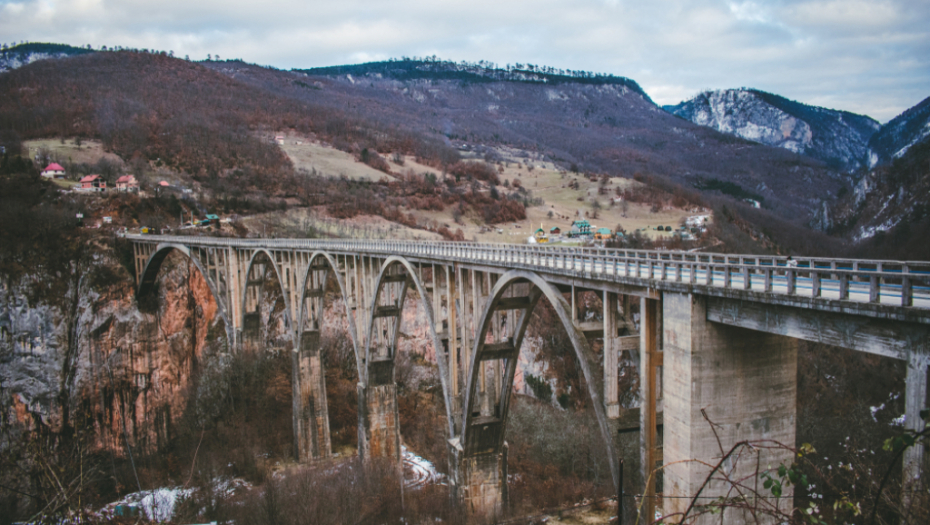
(331, 269)
(255, 258)
(391, 270)
(483, 433)
(150, 274)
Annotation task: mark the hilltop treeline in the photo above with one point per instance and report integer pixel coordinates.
(433, 68)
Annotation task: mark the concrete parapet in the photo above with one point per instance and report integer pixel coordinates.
(746, 383)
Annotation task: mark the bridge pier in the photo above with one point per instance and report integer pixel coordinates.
(480, 482)
(917, 397)
(746, 383)
(378, 422)
(311, 414)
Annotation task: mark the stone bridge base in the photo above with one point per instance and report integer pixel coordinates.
(378, 422)
(311, 414)
(480, 482)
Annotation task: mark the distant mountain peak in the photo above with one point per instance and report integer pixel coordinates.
(839, 138)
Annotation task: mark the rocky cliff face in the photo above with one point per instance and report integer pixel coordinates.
(95, 358)
(18, 56)
(890, 197)
(838, 138)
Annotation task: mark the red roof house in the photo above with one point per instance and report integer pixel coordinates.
(54, 171)
(127, 183)
(93, 183)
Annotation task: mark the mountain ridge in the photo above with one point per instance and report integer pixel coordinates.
(902, 132)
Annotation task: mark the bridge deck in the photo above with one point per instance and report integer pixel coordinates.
(898, 290)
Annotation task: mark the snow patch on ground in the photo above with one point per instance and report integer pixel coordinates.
(159, 504)
(419, 472)
(156, 505)
(924, 133)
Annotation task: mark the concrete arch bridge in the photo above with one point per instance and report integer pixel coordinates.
(717, 335)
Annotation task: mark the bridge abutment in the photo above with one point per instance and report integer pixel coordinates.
(745, 381)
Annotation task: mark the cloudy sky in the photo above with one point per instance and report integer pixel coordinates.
(865, 56)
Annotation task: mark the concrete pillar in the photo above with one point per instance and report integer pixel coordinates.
(745, 381)
(915, 400)
(611, 358)
(480, 482)
(378, 422)
(649, 357)
(311, 413)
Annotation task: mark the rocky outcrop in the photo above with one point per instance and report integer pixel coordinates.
(18, 56)
(838, 138)
(93, 357)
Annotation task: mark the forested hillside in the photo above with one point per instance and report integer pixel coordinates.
(580, 123)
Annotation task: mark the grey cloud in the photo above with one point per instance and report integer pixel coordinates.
(867, 56)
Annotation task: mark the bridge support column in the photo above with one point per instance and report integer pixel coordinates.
(916, 399)
(480, 481)
(649, 362)
(611, 351)
(311, 414)
(746, 383)
(378, 422)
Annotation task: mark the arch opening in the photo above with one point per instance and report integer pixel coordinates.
(327, 367)
(266, 323)
(490, 384)
(148, 283)
(401, 377)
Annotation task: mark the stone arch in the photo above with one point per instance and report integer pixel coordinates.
(288, 322)
(340, 281)
(150, 274)
(384, 276)
(485, 434)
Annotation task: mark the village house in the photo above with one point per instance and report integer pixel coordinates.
(580, 228)
(602, 234)
(540, 236)
(555, 231)
(54, 171)
(93, 183)
(127, 183)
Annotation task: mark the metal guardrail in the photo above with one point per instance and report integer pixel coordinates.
(889, 283)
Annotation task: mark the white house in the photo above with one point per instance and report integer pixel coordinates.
(54, 171)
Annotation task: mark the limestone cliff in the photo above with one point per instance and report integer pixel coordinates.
(91, 356)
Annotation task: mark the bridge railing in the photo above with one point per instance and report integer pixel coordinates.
(898, 283)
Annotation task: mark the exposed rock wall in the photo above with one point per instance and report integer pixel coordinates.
(95, 358)
(839, 138)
